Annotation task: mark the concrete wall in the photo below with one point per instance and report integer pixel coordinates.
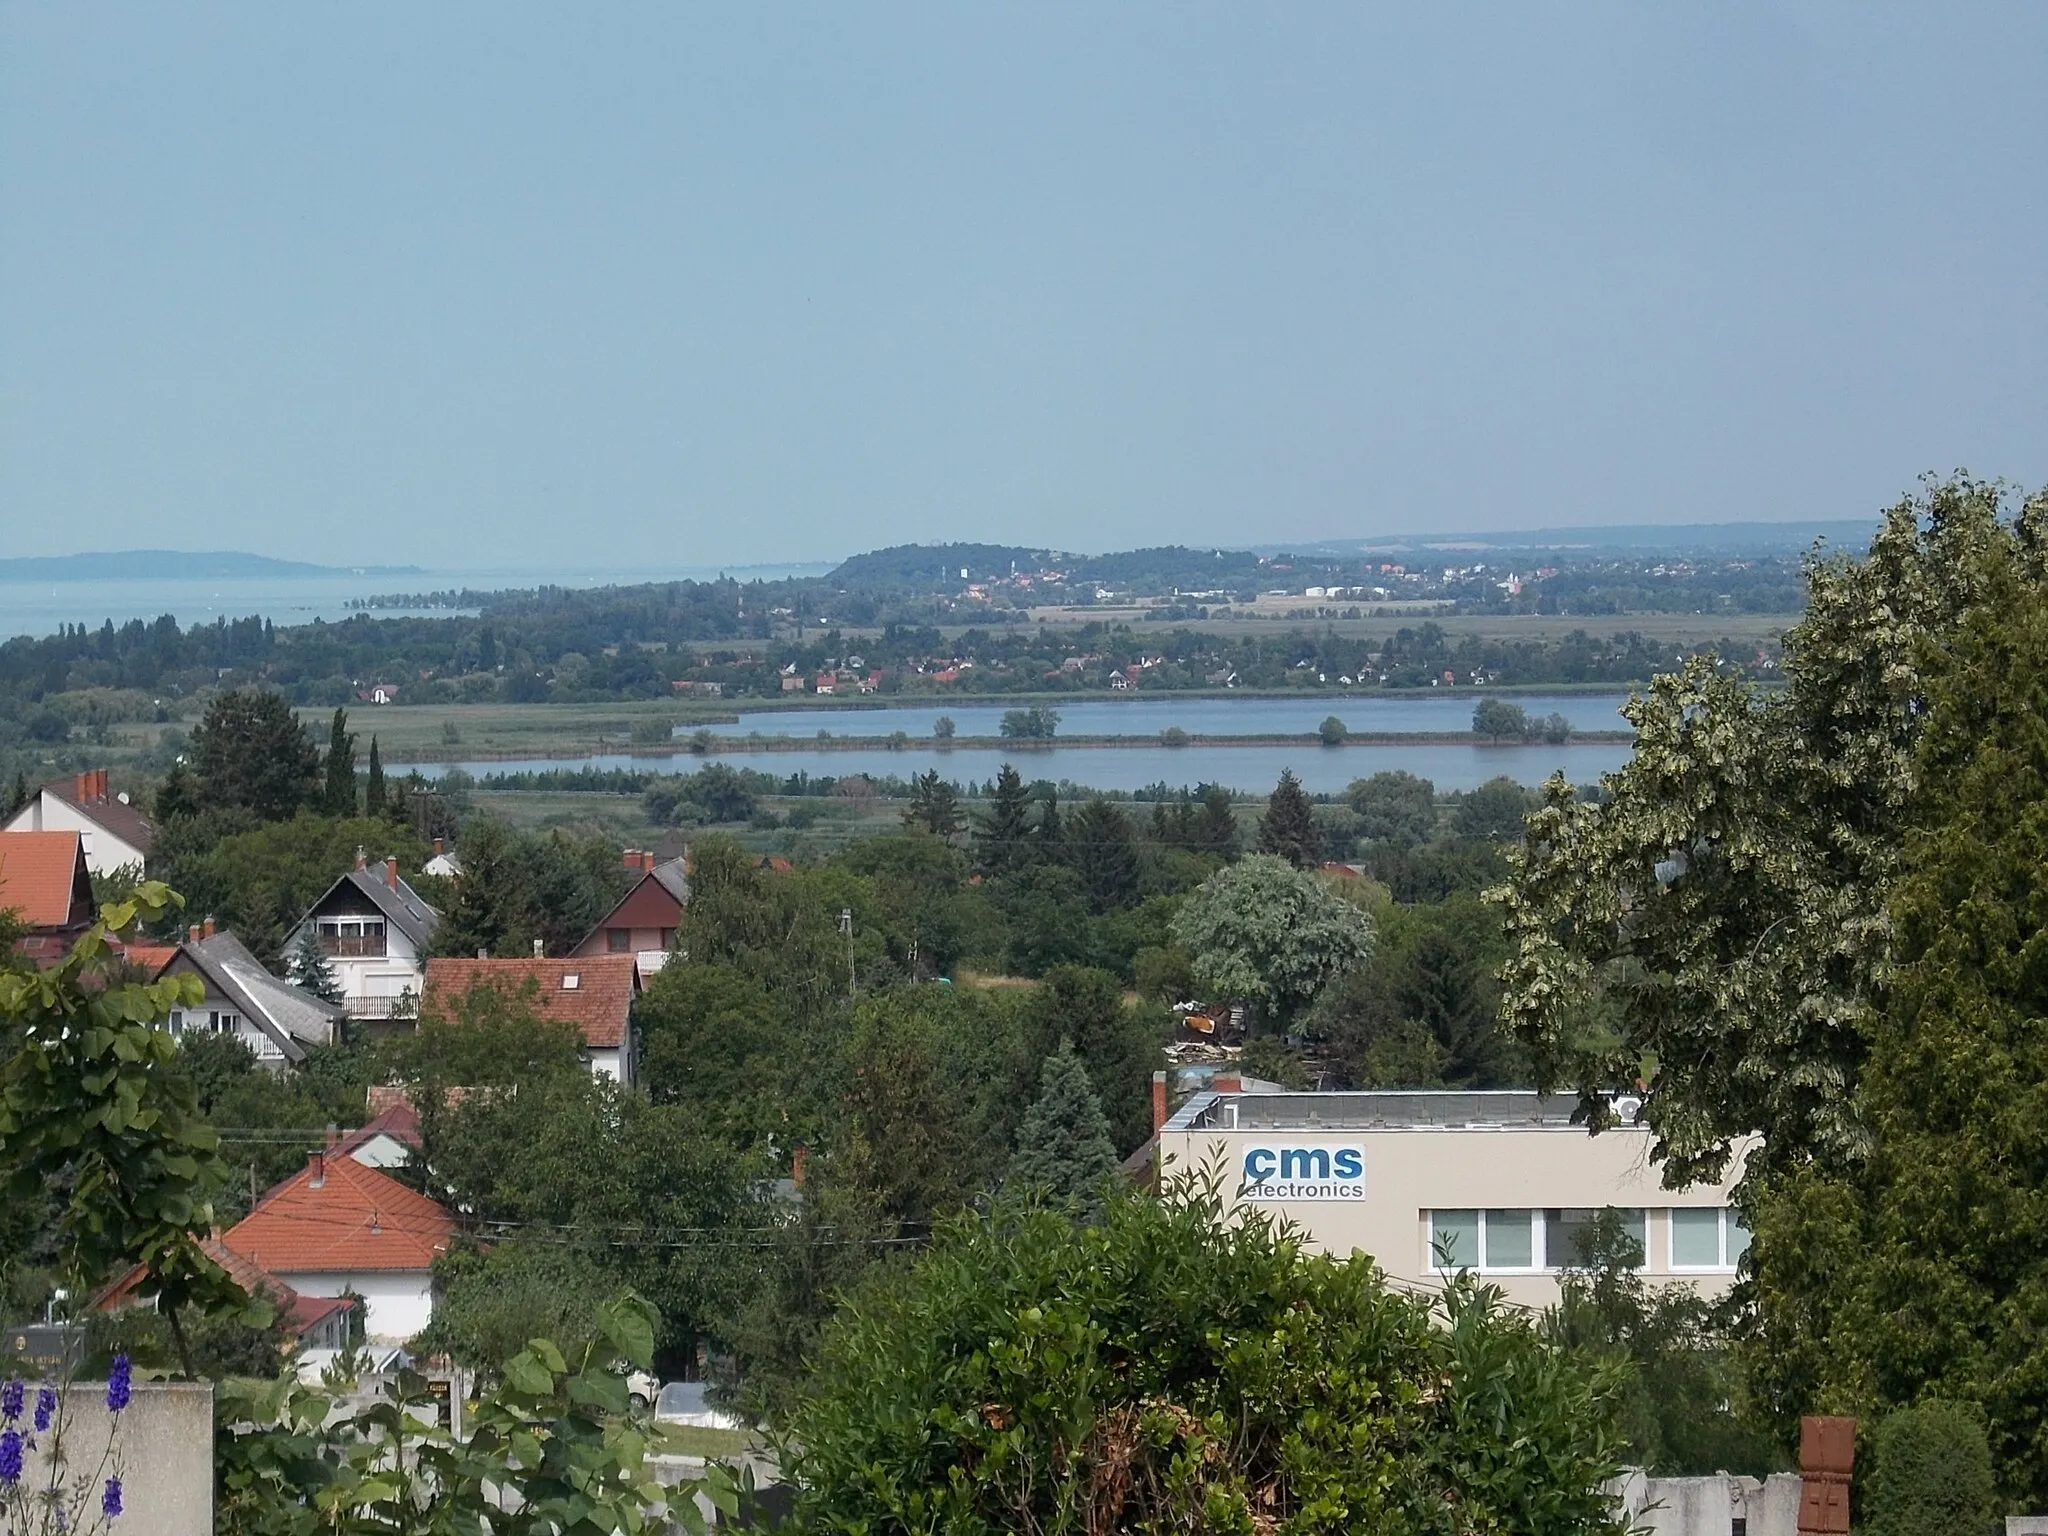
(1710, 1506)
(161, 1449)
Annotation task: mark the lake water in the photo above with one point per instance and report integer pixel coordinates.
(1449, 766)
(37, 608)
(1199, 716)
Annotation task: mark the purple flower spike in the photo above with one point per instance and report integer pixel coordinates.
(10, 1457)
(46, 1407)
(10, 1400)
(118, 1384)
(110, 1501)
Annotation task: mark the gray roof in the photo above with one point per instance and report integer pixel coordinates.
(1431, 1108)
(294, 1019)
(403, 908)
(674, 877)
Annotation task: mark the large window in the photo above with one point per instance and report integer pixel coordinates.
(352, 938)
(1517, 1240)
(1710, 1238)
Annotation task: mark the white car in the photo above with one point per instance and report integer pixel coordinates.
(643, 1389)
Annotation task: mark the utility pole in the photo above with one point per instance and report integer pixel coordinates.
(846, 927)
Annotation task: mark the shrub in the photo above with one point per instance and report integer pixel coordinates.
(1161, 1369)
(1933, 1474)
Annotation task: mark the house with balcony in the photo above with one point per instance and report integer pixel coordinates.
(643, 924)
(375, 931)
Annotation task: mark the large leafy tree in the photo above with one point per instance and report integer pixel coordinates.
(1162, 1369)
(1394, 807)
(1716, 926)
(249, 751)
(1265, 933)
(1921, 1269)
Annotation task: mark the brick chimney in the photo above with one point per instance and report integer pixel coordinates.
(206, 927)
(102, 775)
(83, 788)
(647, 860)
(316, 1171)
(440, 846)
(192, 934)
(1227, 1082)
(391, 873)
(1158, 1102)
(630, 859)
(799, 1155)
(362, 860)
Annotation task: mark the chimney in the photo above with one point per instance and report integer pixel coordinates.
(83, 788)
(361, 861)
(333, 1134)
(192, 934)
(440, 846)
(103, 786)
(391, 873)
(630, 859)
(206, 928)
(1158, 1102)
(647, 860)
(483, 954)
(539, 950)
(1227, 1082)
(799, 1155)
(316, 1171)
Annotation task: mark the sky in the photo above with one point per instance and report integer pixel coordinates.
(562, 286)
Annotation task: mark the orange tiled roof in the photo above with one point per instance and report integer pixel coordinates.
(39, 878)
(150, 957)
(357, 1218)
(593, 992)
(300, 1312)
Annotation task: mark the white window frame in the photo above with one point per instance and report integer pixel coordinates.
(1484, 1266)
(1729, 1218)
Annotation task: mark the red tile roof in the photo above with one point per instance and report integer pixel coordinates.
(357, 1218)
(43, 879)
(593, 992)
(398, 1120)
(299, 1312)
(150, 957)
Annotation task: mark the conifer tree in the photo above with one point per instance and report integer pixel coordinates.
(934, 805)
(1050, 835)
(310, 971)
(1288, 828)
(373, 786)
(1104, 852)
(340, 796)
(1063, 1148)
(1215, 829)
(16, 797)
(177, 796)
(1002, 840)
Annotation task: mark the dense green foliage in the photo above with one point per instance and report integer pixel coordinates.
(1159, 1369)
(1064, 1153)
(1931, 1474)
(1265, 933)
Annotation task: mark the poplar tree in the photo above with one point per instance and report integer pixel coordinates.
(341, 767)
(374, 803)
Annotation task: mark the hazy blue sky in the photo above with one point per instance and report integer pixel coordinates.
(584, 284)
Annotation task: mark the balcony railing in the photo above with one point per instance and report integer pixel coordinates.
(403, 1006)
(347, 947)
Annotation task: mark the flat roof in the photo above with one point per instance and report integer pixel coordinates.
(1499, 1109)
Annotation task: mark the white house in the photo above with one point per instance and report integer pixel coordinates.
(275, 1019)
(116, 835)
(375, 931)
(337, 1227)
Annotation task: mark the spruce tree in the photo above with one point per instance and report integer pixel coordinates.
(1064, 1153)
(1288, 828)
(1215, 829)
(1049, 837)
(373, 786)
(16, 797)
(310, 971)
(177, 796)
(1002, 840)
(1103, 851)
(934, 805)
(340, 797)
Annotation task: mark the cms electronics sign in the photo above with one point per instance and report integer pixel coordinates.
(1316, 1171)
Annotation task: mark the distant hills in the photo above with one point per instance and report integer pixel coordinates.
(177, 565)
(1673, 539)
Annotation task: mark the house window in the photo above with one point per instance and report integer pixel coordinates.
(618, 940)
(1710, 1238)
(1516, 1241)
(668, 938)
